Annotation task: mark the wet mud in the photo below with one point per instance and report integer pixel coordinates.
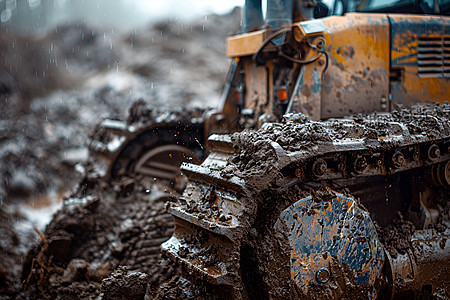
(261, 154)
(96, 233)
(122, 284)
(396, 237)
(55, 87)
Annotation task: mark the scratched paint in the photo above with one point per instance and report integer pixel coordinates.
(413, 85)
(319, 231)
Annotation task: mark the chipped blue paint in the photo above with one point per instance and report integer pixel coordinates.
(339, 228)
(407, 32)
(317, 81)
(399, 61)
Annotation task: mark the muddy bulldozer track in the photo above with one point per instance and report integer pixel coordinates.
(116, 218)
(368, 228)
(148, 143)
(345, 208)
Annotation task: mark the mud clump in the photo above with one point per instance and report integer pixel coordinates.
(96, 233)
(396, 237)
(139, 112)
(182, 288)
(52, 268)
(261, 154)
(125, 285)
(419, 119)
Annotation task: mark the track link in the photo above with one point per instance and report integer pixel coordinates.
(225, 220)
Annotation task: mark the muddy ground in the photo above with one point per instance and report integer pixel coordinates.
(54, 88)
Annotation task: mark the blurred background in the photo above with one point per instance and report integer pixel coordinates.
(65, 65)
(123, 14)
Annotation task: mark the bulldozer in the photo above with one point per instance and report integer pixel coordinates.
(279, 67)
(327, 166)
(324, 172)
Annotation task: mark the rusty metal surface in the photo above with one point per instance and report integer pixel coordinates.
(424, 266)
(420, 48)
(357, 78)
(320, 231)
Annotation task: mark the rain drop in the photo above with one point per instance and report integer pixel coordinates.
(5, 15)
(11, 5)
(34, 4)
(60, 4)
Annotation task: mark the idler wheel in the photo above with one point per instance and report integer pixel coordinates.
(434, 152)
(319, 167)
(330, 239)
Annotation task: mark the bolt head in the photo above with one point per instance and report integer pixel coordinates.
(398, 159)
(434, 152)
(319, 167)
(360, 164)
(299, 172)
(322, 275)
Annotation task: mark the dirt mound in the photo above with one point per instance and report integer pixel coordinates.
(122, 284)
(54, 88)
(45, 129)
(96, 233)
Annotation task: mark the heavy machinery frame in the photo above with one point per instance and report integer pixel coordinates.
(305, 208)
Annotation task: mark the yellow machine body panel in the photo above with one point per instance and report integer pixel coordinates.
(420, 58)
(245, 44)
(357, 77)
(368, 62)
